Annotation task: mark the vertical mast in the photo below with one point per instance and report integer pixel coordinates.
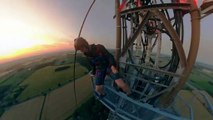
(118, 31)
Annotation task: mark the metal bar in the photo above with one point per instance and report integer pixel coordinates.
(145, 105)
(141, 79)
(129, 115)
(161, 92)
(157, 70)
(206, 8)
(145, 89)
(204, 15)
(119, 104)
(160, 118)
(104, 100)
(118, 31)
(132, 39)
(206, 98)
(184, 6)
(159, 42)
(174, 35)
(210, 106)
(149, 50)
(188, 105)
(195, 40)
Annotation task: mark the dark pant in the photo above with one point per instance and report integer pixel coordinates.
(101, 74)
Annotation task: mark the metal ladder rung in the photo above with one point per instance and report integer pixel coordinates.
(150, 68)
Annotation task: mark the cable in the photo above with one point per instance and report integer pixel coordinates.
(76, 102)
(85, 18)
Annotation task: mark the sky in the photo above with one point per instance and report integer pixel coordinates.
(29, 27)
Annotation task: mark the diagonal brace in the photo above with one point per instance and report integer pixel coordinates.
(137, 32)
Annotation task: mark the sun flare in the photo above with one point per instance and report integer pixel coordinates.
(19, 36)
(26, 30)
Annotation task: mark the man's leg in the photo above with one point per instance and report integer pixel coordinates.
(100, 89)
(100, 76)
(121, 84)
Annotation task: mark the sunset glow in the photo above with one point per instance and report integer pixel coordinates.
(23, 32)
(17, 36)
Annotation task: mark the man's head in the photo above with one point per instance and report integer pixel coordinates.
(81, 44)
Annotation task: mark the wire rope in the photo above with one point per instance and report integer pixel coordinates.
(82, 25)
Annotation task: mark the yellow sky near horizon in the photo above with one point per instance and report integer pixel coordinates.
(25, 32)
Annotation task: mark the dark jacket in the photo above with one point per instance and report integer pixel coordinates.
(99, 57)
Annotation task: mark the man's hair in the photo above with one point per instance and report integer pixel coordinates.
(80, 43)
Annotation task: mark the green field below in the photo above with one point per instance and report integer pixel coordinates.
(14, 79)
(25, 81)
(46, 79)
(201, 80)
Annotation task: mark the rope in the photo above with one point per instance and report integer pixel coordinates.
(85, 18)
(76, 102)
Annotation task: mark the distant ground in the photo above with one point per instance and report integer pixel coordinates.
(91, 110)
(45, 79)
(58, 104)
(202, 78)
(197, 105)
(25, 79)
(30, 77)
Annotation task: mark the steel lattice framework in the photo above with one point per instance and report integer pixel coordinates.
(144, 29)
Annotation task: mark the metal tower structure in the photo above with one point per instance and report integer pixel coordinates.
(151, 56)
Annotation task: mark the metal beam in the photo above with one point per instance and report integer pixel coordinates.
(174, 35)
(118, 31)
(137, 32)
(183, 6)
(195, 40)
(154, 69)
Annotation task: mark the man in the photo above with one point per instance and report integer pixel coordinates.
(103, 63)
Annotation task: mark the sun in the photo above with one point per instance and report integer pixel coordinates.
(11, 45)
(17, 35)
(26, 31)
